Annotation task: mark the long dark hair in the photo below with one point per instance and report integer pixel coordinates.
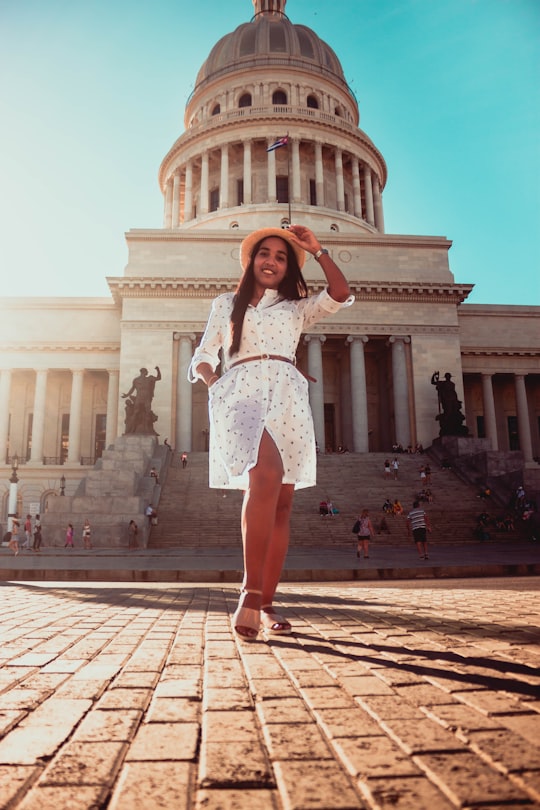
(292, 288)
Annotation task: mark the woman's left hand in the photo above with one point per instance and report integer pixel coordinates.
(305, 238)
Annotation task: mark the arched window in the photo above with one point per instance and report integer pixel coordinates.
(312, 102)
(245, 100)
(216, 110)
(279, 97)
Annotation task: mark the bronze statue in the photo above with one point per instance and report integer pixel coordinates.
(450, 418)
(139, 415)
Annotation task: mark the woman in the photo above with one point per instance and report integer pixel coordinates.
(69, 536)
(261, 429)
(87, 534)
(14, 541)
(365, 530)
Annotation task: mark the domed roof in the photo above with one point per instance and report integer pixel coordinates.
(267, 38)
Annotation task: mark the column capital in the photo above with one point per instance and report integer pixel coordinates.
(183, 335)
(309, 338)
(395, 338)
(361, 338)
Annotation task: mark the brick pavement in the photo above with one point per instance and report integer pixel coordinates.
(389, 695)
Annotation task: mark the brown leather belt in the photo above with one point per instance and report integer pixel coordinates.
(272, 357)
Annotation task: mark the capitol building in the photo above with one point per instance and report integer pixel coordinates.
(62, 376)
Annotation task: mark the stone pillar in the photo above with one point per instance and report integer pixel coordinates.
(489, 411)
(204, 184)
(247, 172)
(316, 390)
(75, 417)
(224, 182)
(524, 425)
(401, 390)
(377, 201)
(167, 218)
(319, 173)
(357, 196)
(188, 196)
(296, 185)
(359, 393)
(369, 195)
(112, 429)
(340, 189)
(271, 196)
(175, 218)
(184, 388)
(5, 391)
(38, 422)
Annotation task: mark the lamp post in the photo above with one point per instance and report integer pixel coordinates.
(62, 485)
(13, 482)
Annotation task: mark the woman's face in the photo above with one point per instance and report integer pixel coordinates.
(270, 264)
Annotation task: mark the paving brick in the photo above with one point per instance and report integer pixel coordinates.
(67, 797)
(173, 710)
(145, 785)
(404, 793)
(100, 725)
(235, 764)
(416, 736)
(373, 756)
(223, 699)
(467, 780)
(85, 763)
(289, 742)
(244, 799)
(125, 699)
(347, 722)
(510, 751)
(315, 785)
(15, 780)
(164, 741)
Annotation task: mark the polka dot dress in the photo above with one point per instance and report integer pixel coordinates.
(263, 394)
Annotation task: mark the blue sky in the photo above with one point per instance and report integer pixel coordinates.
(92, 96)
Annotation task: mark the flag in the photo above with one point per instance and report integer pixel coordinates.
(279, 143)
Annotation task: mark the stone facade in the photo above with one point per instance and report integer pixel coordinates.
(61, 376)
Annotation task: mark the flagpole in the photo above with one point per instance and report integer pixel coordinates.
(288, 178)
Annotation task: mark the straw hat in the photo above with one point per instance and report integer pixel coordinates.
(246, 248)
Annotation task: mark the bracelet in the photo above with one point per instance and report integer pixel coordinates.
(212, 378)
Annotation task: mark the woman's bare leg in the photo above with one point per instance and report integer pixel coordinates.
(279, 544)
(258, 518)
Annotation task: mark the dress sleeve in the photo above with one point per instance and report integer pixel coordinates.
(317, 307)
(213, 338)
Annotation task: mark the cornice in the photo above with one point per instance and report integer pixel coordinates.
(478, 351)
(325, 328)
(59, 346)
(409, 292)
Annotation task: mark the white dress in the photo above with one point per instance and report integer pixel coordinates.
(263, 394)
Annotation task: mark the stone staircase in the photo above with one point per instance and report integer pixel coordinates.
(191, 514)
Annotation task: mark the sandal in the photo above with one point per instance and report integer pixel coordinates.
(273, 623)
(246, 619)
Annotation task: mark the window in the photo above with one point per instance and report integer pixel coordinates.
(312, 192)
(64, 438)
(279, 97)
(101, 427)
(282, 189)
(214, 199)
(245, 100)
(239, 192)
(312, 103)
(216, 110)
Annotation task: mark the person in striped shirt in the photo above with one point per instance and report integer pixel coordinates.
(418, 525)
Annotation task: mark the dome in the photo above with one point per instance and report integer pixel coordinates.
(270, 37)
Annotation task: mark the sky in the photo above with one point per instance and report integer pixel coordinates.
(92, 96)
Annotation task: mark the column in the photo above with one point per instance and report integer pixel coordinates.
(247, 172)
(204, 184)
(112, 429)
(188, 198)
(271, 173)
(38, 422)
(489, 411)
(167, 219)
(401, 390)
(524, 425)
(74, 447)
(368, 190)
(377, 202)
(175, 217)
(316, 390)
(224, 182)
(340, 189)
(357, 195)
(5, 391)
(359, 393)
(184, 390)
(296, 193)
(319, 173)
